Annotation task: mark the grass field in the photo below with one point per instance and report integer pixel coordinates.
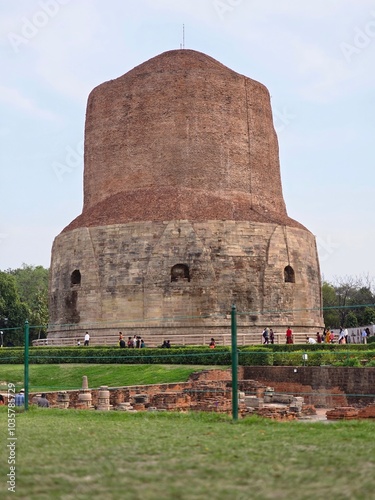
(69, 376)
(71, 454)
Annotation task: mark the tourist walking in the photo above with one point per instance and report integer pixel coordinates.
(341, 336)
(272, 336)
(87, 339)
(266, 335)
(289, 336)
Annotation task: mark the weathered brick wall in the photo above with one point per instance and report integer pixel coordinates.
(211, 390)
(181, 137)
(357, 384)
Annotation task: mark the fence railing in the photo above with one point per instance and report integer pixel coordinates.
(155, 340)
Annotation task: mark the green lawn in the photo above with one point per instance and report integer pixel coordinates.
(69, 376)
(71, 454)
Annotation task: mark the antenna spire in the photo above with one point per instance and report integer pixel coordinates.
(182, 45)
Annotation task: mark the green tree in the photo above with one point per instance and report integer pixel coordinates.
(346, 302)
(363, 296)
(351, 320)
(345, 291)
(13, 312)
(369, 316)
(32, 286)
(330, 302)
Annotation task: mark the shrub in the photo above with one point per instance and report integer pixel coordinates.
(255, 356)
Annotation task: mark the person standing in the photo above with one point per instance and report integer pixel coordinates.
(364, 336)
(87, 339)
(19, 399)
(272, 336)
(328, 336)
(43, 401)
(341, 336)
(289, 336)
(346, 336)
(266, 335)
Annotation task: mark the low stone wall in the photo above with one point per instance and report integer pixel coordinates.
(211, 390)
(319, 384)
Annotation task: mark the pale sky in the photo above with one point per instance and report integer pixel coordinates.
(315, 57)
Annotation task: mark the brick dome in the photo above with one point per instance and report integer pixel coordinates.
(181, 136)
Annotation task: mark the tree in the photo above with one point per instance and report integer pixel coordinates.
(351, 320)
(345, 291)
(369, 316)
(347, 302)
(13, 312)
(32, 286)
(330, 302)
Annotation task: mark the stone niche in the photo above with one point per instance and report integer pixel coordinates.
(183, 209)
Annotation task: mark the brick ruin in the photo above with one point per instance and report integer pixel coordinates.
(211, 391)
(183, 211)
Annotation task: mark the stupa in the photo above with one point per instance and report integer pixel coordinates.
(183, 211)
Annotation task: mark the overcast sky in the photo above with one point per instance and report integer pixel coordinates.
(315, 57)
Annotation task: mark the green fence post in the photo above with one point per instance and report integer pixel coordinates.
(26, 365)
(234, 364)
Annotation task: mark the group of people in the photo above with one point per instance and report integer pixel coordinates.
(135, 342)
(19, 399)
(328, 336)
(268, 336)
(86, 340)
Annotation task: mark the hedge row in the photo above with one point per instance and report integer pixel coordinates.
(320, 358)
(317, 347)
(58, 355)
(247, 356)
(186, 356)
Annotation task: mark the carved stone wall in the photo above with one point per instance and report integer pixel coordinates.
(127, 274)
